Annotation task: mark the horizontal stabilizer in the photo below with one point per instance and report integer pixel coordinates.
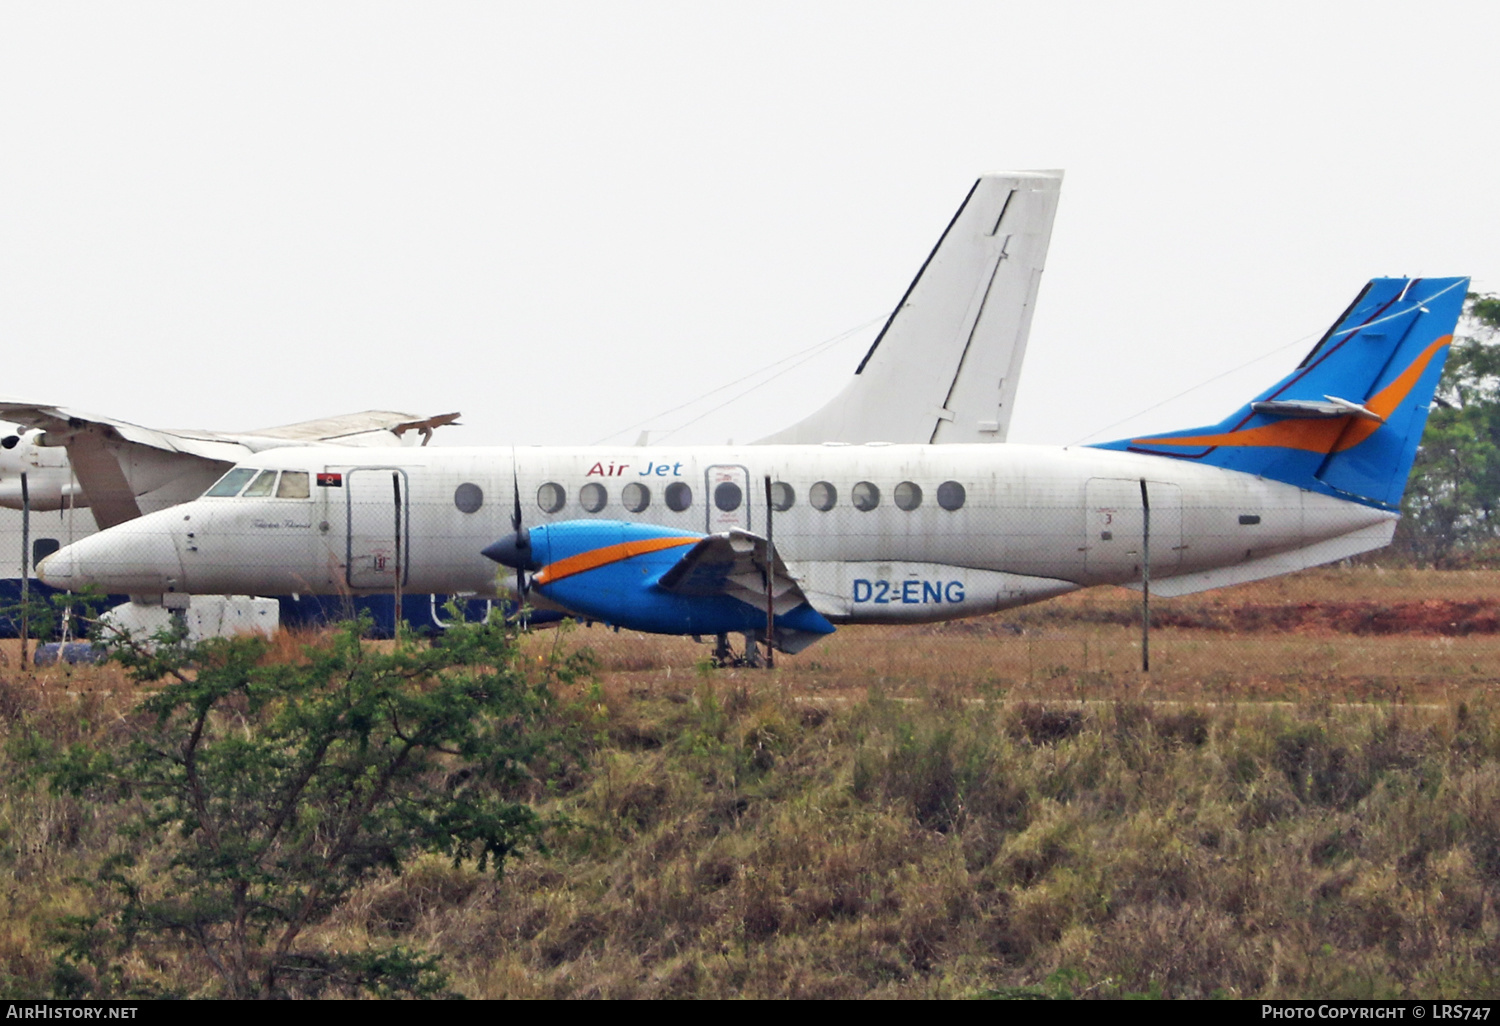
(1332, 406)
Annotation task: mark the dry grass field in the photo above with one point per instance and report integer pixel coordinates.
(1341, 635)
(1301, 800)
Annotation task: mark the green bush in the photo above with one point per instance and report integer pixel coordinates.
(254, 795)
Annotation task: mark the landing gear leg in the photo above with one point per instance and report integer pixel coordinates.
(723, 654)
(752, 652)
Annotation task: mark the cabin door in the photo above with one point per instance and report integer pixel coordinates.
(379, 532)
(728, 499)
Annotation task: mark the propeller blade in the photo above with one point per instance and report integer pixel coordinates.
(515, 480)
(522, 540)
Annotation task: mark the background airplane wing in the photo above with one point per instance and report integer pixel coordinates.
(125, 469)
(62, 425)
(372, 427)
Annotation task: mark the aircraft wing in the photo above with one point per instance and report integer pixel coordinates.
(372, 427)
(733, 564)
(62, 425)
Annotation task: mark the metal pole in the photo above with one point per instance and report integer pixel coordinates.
(1145, 579)
(67, 624)
(396, 491)
(770, 582)
(25, 565)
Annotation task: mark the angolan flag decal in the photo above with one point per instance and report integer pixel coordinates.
(330, 480)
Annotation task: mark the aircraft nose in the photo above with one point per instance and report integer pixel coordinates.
(122, 560)
(58, 569)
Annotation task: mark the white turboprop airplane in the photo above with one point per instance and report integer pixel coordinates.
(680, 540)
(943, 369)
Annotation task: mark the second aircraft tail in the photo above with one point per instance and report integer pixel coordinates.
(946, 365)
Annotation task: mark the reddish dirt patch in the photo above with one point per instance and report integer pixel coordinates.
(1430, 617)
(1433, 616)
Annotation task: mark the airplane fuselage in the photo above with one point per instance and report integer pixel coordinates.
(50, 483)
(874, 533)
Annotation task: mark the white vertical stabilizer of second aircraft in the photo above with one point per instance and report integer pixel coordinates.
(946, 365)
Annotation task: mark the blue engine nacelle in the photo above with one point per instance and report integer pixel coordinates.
(611, 571)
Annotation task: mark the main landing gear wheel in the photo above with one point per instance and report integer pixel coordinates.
(724, 655)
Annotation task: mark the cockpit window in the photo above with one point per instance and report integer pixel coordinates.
(230, 483)
(294, 485)
(261, 487)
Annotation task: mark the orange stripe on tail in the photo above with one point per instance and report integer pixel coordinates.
(1333, 435)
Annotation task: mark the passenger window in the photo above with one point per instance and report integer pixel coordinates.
(865, 496)
(782, 496)
(592, 497)
(908, 496)
(550, 497)
(293, 485)
(468, 497)
(230, 483)
(951, 495)
(261, 487)
(635, 496)
(679, 496)
(728, 496)
(823, 496)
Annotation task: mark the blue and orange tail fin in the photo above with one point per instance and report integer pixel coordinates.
(1347, 421)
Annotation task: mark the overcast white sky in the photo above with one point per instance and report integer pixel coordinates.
(565, 218)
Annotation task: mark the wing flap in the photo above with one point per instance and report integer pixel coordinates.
(733, 564)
